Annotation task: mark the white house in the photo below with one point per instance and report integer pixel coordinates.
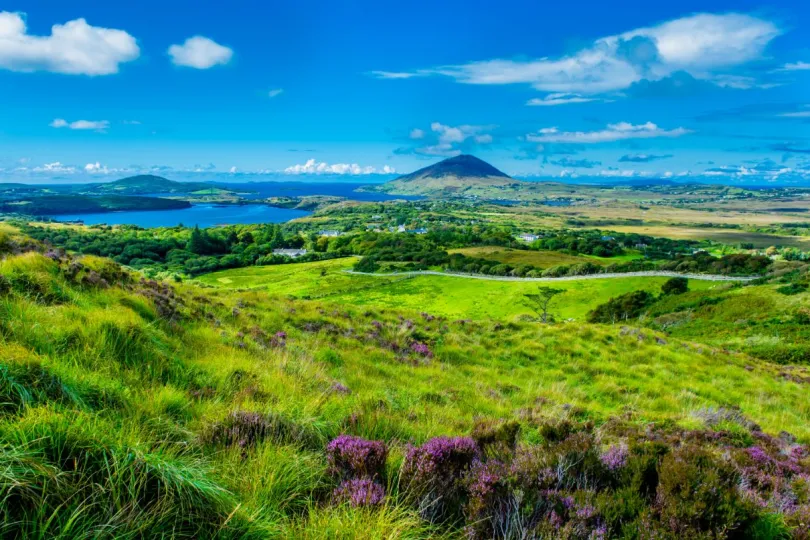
(330, 232)
(528, 237)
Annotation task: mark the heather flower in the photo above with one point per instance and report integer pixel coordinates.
(340, 388)
(586, 512)
(615, 457)
(432, 474)
(360, 492)
(427, 316)
(758, 455)
(421, 349)
(281, 335)
(377, 324)
(409, 324)
(438, 463)
(355, 457)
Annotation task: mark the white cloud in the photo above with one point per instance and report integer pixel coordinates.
(200, 52)
(704, 45)
(799, 114)
(320, 167)
(441, 149)
(275, 92)
(55, 167)
(552, 100)
(613, 132)
(97, 125)
(451, 134)
(448, 141)
(96, 168)
(394, 74)
(73, 48)
(797, 66)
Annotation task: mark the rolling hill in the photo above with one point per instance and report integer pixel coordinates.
(148, 183)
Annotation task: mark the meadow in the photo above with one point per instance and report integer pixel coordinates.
(137, 408)
(723, 236)
(540, 258)
(447, 296)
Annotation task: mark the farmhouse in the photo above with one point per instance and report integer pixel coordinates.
(330, 232)
(528, 237)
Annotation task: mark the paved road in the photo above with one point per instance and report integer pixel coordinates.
(703, 277)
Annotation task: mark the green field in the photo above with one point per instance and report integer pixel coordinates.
(540, 259)
(725, 236)
(447, 296)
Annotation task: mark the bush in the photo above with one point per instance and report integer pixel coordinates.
(354, 457)
(431, 476)
(793, 288)
(697, 494)
(676, 285)
(622, 308)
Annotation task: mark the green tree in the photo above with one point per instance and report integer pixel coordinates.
(197, 242)
(541, 301)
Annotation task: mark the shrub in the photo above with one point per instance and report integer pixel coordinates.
(431, 476)
(355, 457)
(793, 288)
(676, 285)
(697, 494)
(624, 307)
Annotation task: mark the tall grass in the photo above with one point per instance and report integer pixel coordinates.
(118, 420)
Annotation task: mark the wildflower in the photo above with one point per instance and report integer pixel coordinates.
(615, 457)
(340, 388)
(360, 492)
(421, 349)
(355, 457)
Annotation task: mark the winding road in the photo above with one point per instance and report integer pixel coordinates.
(652, 273)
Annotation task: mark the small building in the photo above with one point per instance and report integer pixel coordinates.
(418, 231)
(401, 228)
(607, 238)
(641, 246)
(330, 232)
(529, 237)
(291, 253)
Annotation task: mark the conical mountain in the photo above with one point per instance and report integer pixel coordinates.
(451, 176)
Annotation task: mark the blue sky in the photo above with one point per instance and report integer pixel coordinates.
(705, 91)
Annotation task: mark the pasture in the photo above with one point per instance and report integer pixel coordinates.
(452, 297)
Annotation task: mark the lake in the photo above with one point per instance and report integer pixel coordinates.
(204, 215)
(210, 215)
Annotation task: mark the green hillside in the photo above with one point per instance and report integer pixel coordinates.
(134, 408)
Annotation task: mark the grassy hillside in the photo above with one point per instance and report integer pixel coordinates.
(447, 296)
(134, 408)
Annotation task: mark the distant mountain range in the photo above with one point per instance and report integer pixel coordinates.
(451, 176)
